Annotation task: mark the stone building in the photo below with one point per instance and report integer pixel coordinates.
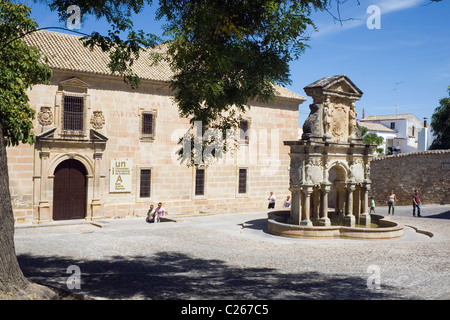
(104, 150)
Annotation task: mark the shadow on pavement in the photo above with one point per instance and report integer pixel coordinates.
(443, 215)
(171, 276)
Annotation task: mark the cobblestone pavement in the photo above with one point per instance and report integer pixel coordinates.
(232, 256)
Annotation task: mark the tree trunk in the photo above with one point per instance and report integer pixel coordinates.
(13, 284)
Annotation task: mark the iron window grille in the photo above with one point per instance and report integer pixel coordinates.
(242, 188)
(244, 134)
(145, 183)
(73, 114)
(200, 182)
(147, 125)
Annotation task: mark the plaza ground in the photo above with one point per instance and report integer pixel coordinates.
(231, 256)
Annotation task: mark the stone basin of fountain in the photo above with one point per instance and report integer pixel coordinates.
(380, 228)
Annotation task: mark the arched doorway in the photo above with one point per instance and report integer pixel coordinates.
(69, 191)
(338, 177)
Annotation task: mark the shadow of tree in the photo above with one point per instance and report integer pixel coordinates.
(172, 276)
(443, 215)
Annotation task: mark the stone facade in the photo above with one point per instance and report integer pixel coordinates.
(110, 137)
(427, 171)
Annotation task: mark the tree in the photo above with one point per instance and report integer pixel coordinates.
(21, 67)
(223, 53)
(440, 123)
(373, 139)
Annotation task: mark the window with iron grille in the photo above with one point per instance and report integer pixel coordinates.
(148, 125)
(244, 126)
(145, 183)
(200, 182)
(73, 113)
(242, 188)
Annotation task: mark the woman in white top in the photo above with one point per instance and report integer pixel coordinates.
(391, 202)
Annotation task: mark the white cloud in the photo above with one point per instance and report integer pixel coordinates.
(359, 15)
(388, 6)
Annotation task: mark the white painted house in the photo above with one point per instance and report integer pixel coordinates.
(400, 131)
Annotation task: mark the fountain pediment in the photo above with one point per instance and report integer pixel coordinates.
(333, 116)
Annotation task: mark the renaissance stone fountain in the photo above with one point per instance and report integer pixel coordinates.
(330, 171)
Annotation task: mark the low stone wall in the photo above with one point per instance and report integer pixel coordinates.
(427, 171)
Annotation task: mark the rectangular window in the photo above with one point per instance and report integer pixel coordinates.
(145, 180)
(147, 123)
(392, 125)
(242, 188)
(200, 182)
(73, 113)
(244, 124)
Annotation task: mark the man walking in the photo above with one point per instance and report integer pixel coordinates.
(416, 203)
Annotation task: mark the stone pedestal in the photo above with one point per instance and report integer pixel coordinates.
(306, 223)
(364, 219)
(349, 220)
(324, 222)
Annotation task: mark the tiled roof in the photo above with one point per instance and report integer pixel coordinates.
(389, 117)
(374, 126)
(67, 52)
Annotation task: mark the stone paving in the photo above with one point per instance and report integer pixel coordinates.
(232, 256)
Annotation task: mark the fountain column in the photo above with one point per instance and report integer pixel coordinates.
(296, 205)
(324, 220)
(349, 219)
(365, 216)
(306, 221)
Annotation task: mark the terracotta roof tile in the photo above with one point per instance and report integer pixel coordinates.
(67, 52)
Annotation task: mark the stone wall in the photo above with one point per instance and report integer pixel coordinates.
(427, 171)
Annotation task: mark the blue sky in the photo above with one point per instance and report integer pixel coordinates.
(405, 63)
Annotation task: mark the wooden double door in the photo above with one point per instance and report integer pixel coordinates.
(69, 191)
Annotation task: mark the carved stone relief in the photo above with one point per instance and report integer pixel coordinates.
(357, 171)
(97, 120)
(296, 171)
(339, 123)
(314, 172)
(45, 116)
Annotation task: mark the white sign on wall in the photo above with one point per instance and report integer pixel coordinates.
(120, 175)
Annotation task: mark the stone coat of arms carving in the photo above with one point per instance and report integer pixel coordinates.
(45, 116)
(97, 120)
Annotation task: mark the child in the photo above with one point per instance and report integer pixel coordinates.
(287, 202)
(372, 205)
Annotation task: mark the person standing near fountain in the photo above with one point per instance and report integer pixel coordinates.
(391, 202)
(416, 203)
(271, 201)
(372, 205)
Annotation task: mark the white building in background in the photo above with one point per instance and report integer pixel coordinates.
(426, 137)
(402, 133)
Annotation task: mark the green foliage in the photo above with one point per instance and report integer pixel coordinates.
(226, 53)
(373, 139)
(440, 123)
(21, 66)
